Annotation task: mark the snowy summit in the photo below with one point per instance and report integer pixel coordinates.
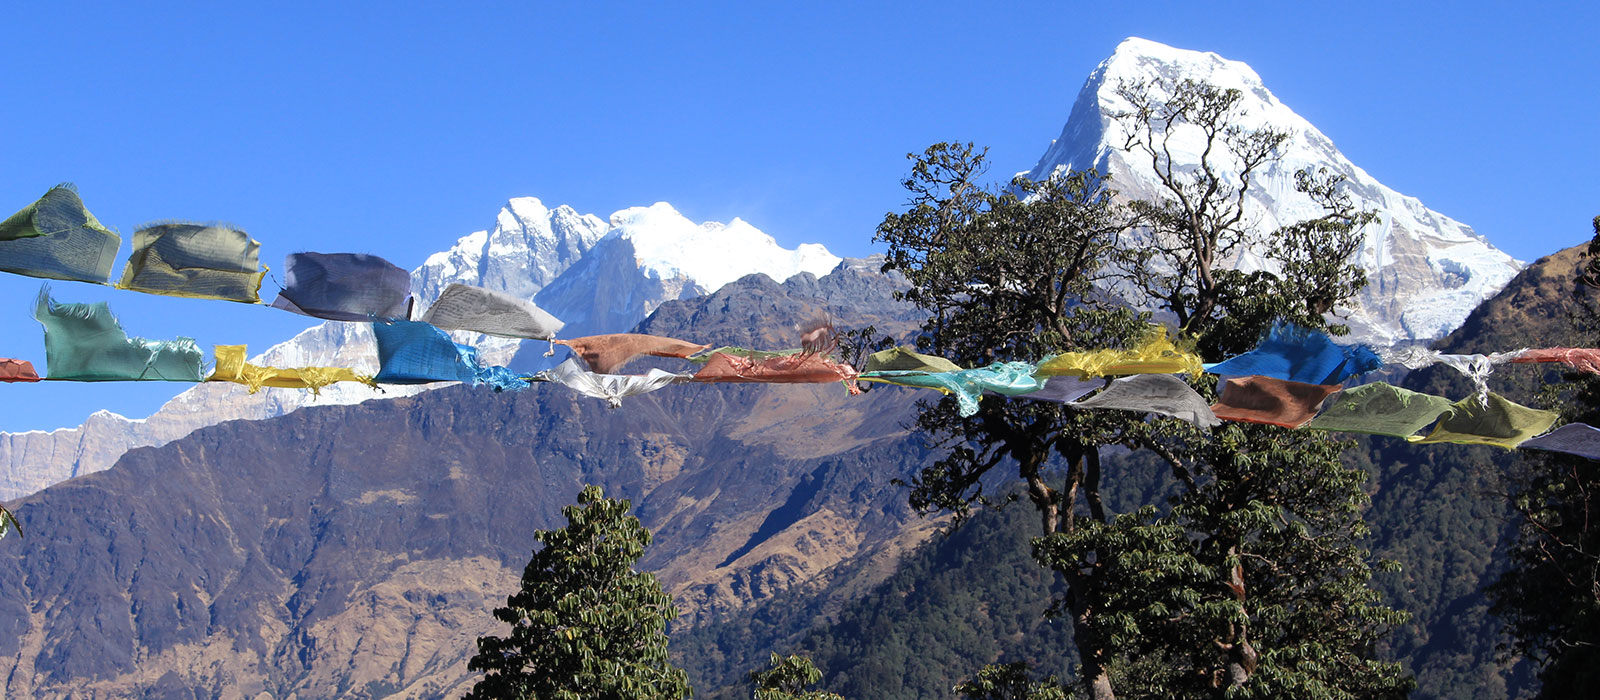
(1426, 271)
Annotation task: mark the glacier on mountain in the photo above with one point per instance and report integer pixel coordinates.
(1426, 271)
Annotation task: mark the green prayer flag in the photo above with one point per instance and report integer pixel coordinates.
(84, 342)
(1489, 420)
(57, 238)
(904, 359)
(1379, 409)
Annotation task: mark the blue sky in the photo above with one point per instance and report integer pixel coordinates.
(366, 128)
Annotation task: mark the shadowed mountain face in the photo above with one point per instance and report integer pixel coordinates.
(356, 551)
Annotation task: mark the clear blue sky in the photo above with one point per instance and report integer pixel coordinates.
(366, 128)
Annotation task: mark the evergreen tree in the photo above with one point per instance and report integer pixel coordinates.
(584, 624)
(1550, 597)
(1253, 582)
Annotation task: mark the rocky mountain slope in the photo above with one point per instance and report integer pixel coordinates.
(1427, 271)
(356, 551)
(642, 257)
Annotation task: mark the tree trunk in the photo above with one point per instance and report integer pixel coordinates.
(1241, 654)
(1091, 655)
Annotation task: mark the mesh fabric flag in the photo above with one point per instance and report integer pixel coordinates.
(203, 261)
(1493, 420)
(1270, 401)
(1292, 353)
(57, 238)
(232, 367)
(1380, 409)
(465, 308)
(968, 385)
(344, 287)
(1162, 394)
(84, 342)
(906, 359)
(413, 352)
(1572, 438)
(17, 371)
(1582, 359)
(1155, 354)
(612, 388)
(605, 354)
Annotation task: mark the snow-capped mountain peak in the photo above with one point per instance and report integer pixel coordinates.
(529, 246)
(654, 254)
(1426, 270)
(667, 244)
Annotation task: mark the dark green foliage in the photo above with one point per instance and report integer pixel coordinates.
(1254, 581)
(1014, 276)
(1009, 682)
(787, 678)
(1550, 597)
(584, 624)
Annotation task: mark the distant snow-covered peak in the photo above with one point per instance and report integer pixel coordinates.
(1426, 270)
(529, 246)
(667, 245)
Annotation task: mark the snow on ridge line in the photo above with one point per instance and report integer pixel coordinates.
(1428, 270)
(667, 244)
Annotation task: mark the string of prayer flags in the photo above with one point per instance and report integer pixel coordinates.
(1155, 354)
(17, 371)
(414, 352)
(1493, 420)
(967, 385)
(57, 238)
(1380, 409)
(612, 388)
(84, 342)
(1572, 438)
(1271, 401)
(605, 354)
(1581, 359)
(904, 359)
(232, 367)
(344, 287)
(463, 307)
(1297, 354)
(201, 261)
(1162, 394)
